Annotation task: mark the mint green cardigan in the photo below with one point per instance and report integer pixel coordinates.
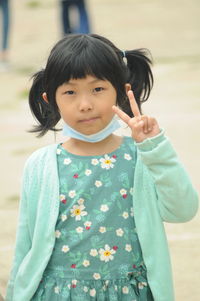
(162, 193)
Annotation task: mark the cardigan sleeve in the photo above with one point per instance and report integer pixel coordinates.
(23, 240)
(177, 199)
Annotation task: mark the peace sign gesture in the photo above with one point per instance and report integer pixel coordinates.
(142, 126)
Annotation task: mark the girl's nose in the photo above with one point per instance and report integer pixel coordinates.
(85, 104)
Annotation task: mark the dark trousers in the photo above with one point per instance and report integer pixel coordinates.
(4, 6)
(83, 16)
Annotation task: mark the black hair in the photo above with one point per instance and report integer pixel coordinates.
(78, 55)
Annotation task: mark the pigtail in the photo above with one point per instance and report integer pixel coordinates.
(44, 112)
(140, 75)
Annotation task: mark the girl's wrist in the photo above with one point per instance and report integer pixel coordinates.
(150, 143)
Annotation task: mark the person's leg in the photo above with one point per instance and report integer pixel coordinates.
(65, 16)
(83, 17)
(6, 24)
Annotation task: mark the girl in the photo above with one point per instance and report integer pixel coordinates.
(92, 208)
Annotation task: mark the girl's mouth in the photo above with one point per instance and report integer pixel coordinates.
(88, 120)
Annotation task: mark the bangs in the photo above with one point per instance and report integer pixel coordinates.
(86, 57)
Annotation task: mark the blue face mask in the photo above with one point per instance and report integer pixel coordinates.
(108, 130)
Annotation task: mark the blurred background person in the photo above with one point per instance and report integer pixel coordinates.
(5, 14)
(82, 26)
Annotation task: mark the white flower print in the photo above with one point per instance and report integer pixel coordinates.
(81, 201)
(125, 289)
(56, 289)
(57, 234)
(104, 208)
(107, 162)
(102, 229)
(67, 161)
(119, 232)
(125, 215)
(123, 191)
(65, 249)
(98, 183)
(128, 248)
(96, 276)
(106, 254)
(85, 289)
(79, 229)
(72, 193)
(62, 197)
(78, 211)
(93, 252)
(95, 162)
(63, 217)
(141, 285)
(127, 157)
(88, 172)
(74, 281)
(58, 151)
(87, 224)
(86, 263)
(93, 292)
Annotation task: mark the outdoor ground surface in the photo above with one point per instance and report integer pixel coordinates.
(170, 29)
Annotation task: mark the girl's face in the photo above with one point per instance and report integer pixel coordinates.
(86, 104)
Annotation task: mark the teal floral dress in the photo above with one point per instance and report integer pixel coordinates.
(97, 255)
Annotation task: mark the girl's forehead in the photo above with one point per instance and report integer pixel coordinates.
(88, 79)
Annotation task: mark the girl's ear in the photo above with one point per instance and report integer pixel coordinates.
(44, 96)
(127, 87)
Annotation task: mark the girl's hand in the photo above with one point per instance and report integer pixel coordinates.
(142, 126)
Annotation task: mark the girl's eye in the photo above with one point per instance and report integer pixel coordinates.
(98, 89)
(69, 92)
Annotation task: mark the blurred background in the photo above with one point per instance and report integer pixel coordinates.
(171, 30)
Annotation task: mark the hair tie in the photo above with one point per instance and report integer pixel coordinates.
(124, 56)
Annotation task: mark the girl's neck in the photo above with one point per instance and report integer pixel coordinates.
(82, 148)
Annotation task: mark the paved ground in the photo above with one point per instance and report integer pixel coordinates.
(171, 30)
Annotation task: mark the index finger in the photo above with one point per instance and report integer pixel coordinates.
(133, 104)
